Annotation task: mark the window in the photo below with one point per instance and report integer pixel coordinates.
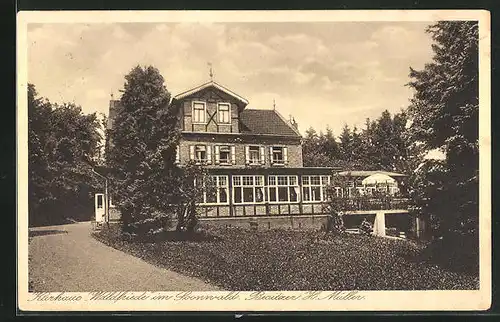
(283, 189)
(219, 193)
(224, 113)
(254, 154)
(278, 155)
(314, 188)
(201, 154)
(224, 154)
(199, 112)
(248, 189)
(100, 201)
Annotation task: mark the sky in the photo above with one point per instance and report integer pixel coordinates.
(325, 74)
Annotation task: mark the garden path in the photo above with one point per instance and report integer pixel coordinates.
(67, 258)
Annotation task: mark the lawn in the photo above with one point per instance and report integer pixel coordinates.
(244, 260)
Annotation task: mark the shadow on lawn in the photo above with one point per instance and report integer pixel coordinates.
(37, 233)
(200, 236)
(455, 258)
(174, 236)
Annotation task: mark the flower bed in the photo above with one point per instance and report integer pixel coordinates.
(243, 259)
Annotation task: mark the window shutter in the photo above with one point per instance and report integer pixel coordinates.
(233, 154)
(247, 154)
(262, 155)
(271, 154)
(177, 154)
(217, 154)
(209, 154)
(191, 152)
(285, 155)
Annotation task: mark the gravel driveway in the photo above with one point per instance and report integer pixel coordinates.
(67, 258)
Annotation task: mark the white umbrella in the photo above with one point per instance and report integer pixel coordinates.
(378, 178)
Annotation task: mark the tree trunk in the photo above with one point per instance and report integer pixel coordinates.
(191, 216)
(181, 215)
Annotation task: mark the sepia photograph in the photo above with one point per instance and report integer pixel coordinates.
(254, 157)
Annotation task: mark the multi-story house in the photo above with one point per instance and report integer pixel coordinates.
(255, 155)
(255, 158)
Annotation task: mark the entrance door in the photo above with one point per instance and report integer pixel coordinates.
(100, 209)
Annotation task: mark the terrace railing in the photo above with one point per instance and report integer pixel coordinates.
(373, 203)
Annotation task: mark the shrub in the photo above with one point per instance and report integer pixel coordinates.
(365, 227)
(334, 224)
(392, 232)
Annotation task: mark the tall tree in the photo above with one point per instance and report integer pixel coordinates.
(330, 147)
(346, 146)
(313, 151)
(358, 150)
(401, 143)
(63, 145)
(444, 114)
(383, 140)
(142, 152)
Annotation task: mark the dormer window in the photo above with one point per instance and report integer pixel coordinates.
(224, 113)
(199, 112)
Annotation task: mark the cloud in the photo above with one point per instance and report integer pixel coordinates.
(322, 73)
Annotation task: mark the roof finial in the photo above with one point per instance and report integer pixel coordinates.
(211, 73)
(111, 94)
(274, 104)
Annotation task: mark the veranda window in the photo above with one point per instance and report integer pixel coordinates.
(283, 189)
(248, 189)
(314, 188)
(218, 194)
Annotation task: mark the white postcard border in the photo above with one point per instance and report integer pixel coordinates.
(325, 301)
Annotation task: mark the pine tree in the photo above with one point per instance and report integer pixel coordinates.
(346, 147)
(142, 152)
(358, 150)
(331, 148)
(444, 114)
(383, 140)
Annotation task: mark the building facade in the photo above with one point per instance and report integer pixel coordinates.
(254, 155)
(255, 158)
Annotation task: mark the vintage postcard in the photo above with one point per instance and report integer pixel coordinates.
(253, 160)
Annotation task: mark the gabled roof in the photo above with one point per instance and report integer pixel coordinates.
(369, 173)
(215, 85)
(255, 121)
